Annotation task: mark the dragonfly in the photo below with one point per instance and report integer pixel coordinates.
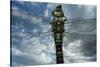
(58, 24)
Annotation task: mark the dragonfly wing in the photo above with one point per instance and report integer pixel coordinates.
(82, 27)
(80, 20)
(24, 15)
(23, 23)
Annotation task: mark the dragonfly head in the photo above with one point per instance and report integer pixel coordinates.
(58, 12)
(59, 7)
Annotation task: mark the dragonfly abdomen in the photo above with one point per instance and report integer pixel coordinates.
(59, 52)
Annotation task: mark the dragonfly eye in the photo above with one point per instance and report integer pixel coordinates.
(55, 13)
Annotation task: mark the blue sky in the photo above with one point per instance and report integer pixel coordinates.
(30, 46)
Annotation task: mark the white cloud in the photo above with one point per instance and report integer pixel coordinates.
(15, 8)
(24, 15)
(36, 50)
(16, 52)
(90, 11)
(74, 45)
(33, 45)
(46, 13)
(79, 11)
(73, 53)
(21, 2)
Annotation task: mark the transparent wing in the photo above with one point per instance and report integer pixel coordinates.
(81, 26)
(27, 24)
(24, 15)
(80, 20)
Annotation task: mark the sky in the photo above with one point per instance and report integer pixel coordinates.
(32, 38)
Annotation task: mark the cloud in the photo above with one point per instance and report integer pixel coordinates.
(90, 12)
(46, 13)
(82, 27)
(74, 52)
(24, 15)
(32, 49)
(79, 11)
(79, 48)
